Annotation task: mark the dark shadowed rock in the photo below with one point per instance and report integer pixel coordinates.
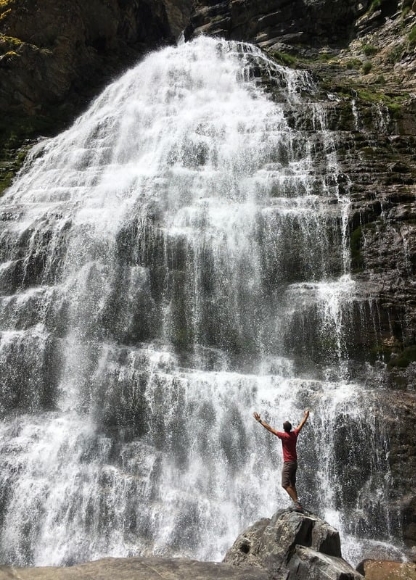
(272, 21)
(51, 49)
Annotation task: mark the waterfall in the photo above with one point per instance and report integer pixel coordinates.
(175, 260)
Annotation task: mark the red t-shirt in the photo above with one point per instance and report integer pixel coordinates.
(289, 444)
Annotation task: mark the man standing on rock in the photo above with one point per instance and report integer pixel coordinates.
(290, 458)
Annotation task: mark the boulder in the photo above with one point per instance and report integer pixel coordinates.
(294, 546)
(387, 570)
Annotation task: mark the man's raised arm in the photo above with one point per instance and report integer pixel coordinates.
(264, 424)
(305, 418)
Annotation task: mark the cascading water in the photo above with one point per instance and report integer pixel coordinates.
(174, 261)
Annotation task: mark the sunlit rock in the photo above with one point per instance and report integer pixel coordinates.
(300, 545)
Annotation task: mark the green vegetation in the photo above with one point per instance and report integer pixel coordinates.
(9, 46)
(395, 109)
(324, 56)
(411, 37)
(393, 102)
(353, 63)
(285, 58)
(293, 61)
(11, 53)
(380, 352)
(8, 169)
(375, 5)
(6, 4)
(369, 49)
(367, 66)
(8, 43)
(395, 54)
(380, 80)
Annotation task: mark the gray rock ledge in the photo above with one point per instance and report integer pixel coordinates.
(136, 569)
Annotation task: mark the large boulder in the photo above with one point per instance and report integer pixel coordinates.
(387, 570)
(293, 546)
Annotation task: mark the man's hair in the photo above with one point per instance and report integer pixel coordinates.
(287, 426)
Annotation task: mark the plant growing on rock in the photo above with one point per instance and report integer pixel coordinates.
(369, 49)
(367, 66)
(285, 58)
(395, 53)
(353, 63)
(375, 5)
(411, 37)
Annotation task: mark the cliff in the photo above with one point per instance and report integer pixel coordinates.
(56, 55)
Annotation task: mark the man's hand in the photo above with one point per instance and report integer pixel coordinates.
(305, 418)
(257, 417)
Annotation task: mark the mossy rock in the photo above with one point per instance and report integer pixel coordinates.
(9, 44)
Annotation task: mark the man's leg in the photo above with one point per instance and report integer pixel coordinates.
(292, 492)
(289, 482)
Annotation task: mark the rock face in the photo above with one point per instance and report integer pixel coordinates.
(52, 48)
(265, 23)
(292, 546)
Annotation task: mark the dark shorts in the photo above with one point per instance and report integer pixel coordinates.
(289, 473)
